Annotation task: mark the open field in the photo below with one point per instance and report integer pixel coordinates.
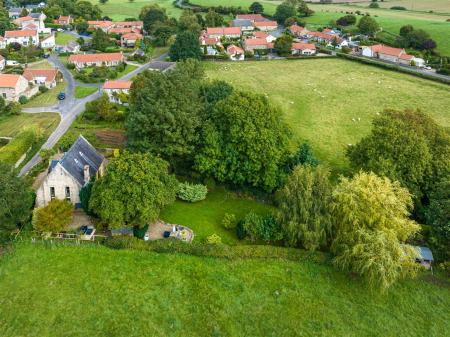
(122, 9)
(12, 125)
(81, 92)
(331, 102)
(437, 6)
(63, 38)
(205, 217)
(95, 291)
(48, 98)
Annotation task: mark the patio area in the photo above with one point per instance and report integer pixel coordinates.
(156, 231)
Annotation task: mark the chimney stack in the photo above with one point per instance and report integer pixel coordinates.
(87, 176)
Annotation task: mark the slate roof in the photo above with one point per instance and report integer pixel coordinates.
(81, 153)
(242, 23)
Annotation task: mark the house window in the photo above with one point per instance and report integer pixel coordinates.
(67, 193)
(52, 193)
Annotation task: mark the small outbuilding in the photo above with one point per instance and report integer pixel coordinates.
(425, 257)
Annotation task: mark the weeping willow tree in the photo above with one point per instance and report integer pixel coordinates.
(371, 228)
(304, 207)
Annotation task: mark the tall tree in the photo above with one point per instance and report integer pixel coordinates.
(53, 218)
(101, 40)
(188, 22)
(304, 207)
(303, 9)
(283, 45)
(133, 191)
(186, 46)
(164, 111)
(5, 22)
(245, 142)
(284, 11)
(371, 226)
(213, 19)
(368, 25)
(304, 156)
(151, 15)
(16, 200)
(256, 8)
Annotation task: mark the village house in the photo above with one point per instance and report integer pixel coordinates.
(48, 42)
(2, 63)
(43, 77)
(332, 40)
(103, 25)
(251, 17)
(235, 53)
(23, 21)
(298, 31)
(88, 60)
(66, 177)
(263, 35)
(265, 25)
(121, 31)
(303, 48)
(12, 87)
(391, 54)
(139, 25)
(14, 12)
(212, 45)
(115, 89)
(252, 44)
(110, 26)
(22, 37)
(33, 21)
(228, 32)
(244, 24)
(129, 40)
(64, 20)
(2, 42)
(71, 47)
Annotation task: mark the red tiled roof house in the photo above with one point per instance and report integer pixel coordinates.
(12, 87)
(390, 54)
(235, 53)
(45, 77)
(129, 40)
(229, 32)
(303, 48)
(265, 25)
(64, 20)
(116, 89)
(25, 37)
(88, 60)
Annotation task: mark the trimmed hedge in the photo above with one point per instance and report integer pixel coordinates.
(215, 250)
(12, 152)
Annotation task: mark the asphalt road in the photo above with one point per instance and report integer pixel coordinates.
(71, 108)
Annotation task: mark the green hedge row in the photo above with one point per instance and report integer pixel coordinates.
(12, 152)
(212, 250)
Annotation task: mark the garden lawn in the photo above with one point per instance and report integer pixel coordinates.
(205, 217)
(12, 125)
(332, 102)
(91, 290)
(62, 38)
(42, 64)
(81, 92)
(118, 10)
(48, 98)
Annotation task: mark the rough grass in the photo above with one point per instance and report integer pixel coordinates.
(48, 98)
(42, 64)
(205, 217)
(63, 39)
(10, 126)
(122, 9)
(94, 291)
(331, 102)
(84, 91)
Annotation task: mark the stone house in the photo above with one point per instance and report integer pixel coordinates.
(67, 176)
(45, 77)
(129, 40)
(24, 37)
(12, 87)
(64, 20)
(114, 89)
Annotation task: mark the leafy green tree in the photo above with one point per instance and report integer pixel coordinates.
(438, 217)
(368, 25)
(304, 208)
(186, 46)
(151, 15)
(290, 21)
(283, 45)
(213, 92)
(257, 227)
(188, 22)
(85, 196)
(53, 218)
(371, 226)
(303, 9)
(82, 27)
(283, 12)
(16, 200)
(134, 189)
(256, 8)
(405, 30)
(103, 1)
(5, 22)
(245, 142)
(304, 156)
(101, 40)
(162, 32)
(213, 19)
(164, 114)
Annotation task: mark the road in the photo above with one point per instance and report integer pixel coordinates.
(71, 108)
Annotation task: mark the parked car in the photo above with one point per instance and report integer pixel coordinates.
(12, 63)
(61, 96)
(46, 56)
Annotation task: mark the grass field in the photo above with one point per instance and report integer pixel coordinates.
(63, 39)
(81, 92)
(331, 102)
(48, 98)
(122, 9)
(205, 217)
(12, 125)
(94, 291)
(42, 64)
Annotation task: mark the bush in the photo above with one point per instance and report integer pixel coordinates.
(23, 99)
(398, 8)
(191, 192)
(229, 221)
(12, 152)
(256, 227)
(214, 239)
(70, 66)
(43, 88)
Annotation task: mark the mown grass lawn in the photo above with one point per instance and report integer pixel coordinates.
(63, 38)
(48, 98)
(95, 291)
(42, 64)
(120, 9)
(205, 217)
(83, 91)
(332, 102)
(12, 125)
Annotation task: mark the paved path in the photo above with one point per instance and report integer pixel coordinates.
(70, 108)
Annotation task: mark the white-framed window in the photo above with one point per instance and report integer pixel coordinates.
(67, 193)
(52, 193)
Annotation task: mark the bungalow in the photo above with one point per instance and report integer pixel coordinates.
(265, 25)
(390, 54)
(263, 35)
(103, 25)
(252, 44)
(121, 31)
(129, 40)
(251, 17)
(2, 63)
(303, 48)
(245, 24)
(87, 60)
(67, 176)
(328, 38)
(23, 37)
(12, 87)
(42, 77)
(129, 24)
(235, 53)
(64, 20)
(48, 42)
(114, 90)
(298, 31)
(229, 32)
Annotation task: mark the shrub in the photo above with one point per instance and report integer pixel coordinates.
(229, 221)
(23, 99)
(12, 152)
(398, 8)
(71, 66)
(214, 239)
(191, 192)
(43, 88)
(346, 50)
(256, 227)
(374, 5)
(54, 217)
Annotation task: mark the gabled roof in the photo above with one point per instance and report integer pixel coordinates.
(9, 80)
(105, 57)
(303, 46)
(49, 74)
(265, 23)
(128, 23)
(30, 26)
(20, 33)
(81, 153)
(296, 28)
(233, 49)
(223, 30)
(24, 18)
(242, 23)
(123, 30)
(261, 35)
(255, 42)
(252, 17)
(132, 36)
(117, 84)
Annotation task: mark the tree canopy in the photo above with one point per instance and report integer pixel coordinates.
(284, 45)
(284, 11)
(188, 22)
(134, 189)
(368, 25)
(371, 226)
(186, 46)
(256, 8)
(53, 218)
(151, 15)
(244, 142)
(213, 19)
